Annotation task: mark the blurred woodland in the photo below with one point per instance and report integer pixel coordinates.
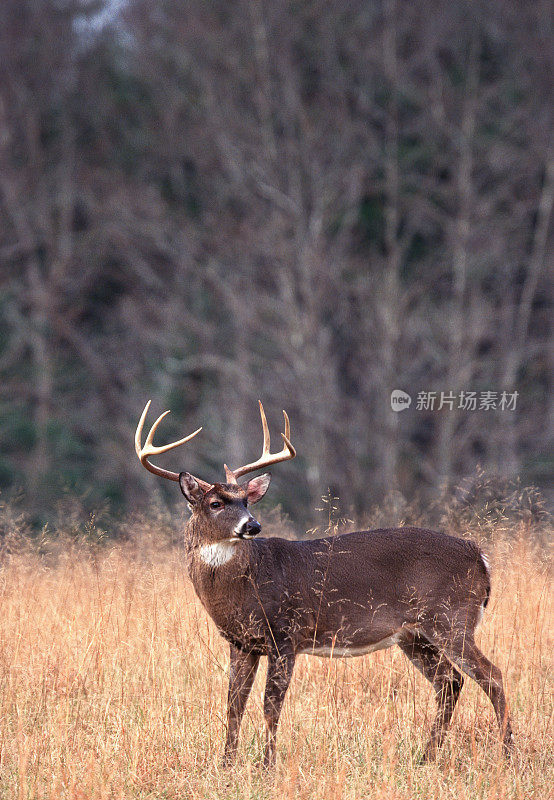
(206, 203)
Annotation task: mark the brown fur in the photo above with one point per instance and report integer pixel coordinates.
(420, 589)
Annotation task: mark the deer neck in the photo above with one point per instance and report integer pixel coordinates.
(212, 559)
(221, 576)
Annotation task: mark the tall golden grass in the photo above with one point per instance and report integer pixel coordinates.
(113, 685)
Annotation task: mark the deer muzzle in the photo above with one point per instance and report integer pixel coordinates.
(248, 529)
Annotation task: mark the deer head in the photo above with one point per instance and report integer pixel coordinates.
(221, 508)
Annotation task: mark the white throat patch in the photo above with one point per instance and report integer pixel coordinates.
(217, 554)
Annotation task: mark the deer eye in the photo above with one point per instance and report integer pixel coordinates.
(216, 504)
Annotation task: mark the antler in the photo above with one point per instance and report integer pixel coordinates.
(266, 458)
(149, 449)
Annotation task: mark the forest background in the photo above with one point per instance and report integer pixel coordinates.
(314, 204)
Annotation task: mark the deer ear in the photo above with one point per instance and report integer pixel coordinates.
(257, 487)
(190, 488)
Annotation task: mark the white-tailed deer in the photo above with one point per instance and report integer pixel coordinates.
(343, 595)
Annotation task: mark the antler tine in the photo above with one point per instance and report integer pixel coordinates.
(265, 428)
(140, 426)
(287, 426)
(153, 450)
(267, 457)
(149, 449)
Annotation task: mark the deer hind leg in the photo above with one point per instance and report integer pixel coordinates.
(241, 677)
(279, 674)
(466, 655)
(447, 683)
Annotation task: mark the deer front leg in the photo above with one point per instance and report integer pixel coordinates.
(279, 674)
(242, 672)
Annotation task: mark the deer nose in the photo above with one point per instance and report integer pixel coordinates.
(251, 528)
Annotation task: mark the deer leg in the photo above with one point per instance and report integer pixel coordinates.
(447, 683)
(467, 657)
(242, 672)
(279, 673)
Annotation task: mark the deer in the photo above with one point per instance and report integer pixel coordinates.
(337, 597)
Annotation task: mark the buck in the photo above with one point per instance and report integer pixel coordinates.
(339, 596)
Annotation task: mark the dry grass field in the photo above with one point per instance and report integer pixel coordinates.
(113, 685)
